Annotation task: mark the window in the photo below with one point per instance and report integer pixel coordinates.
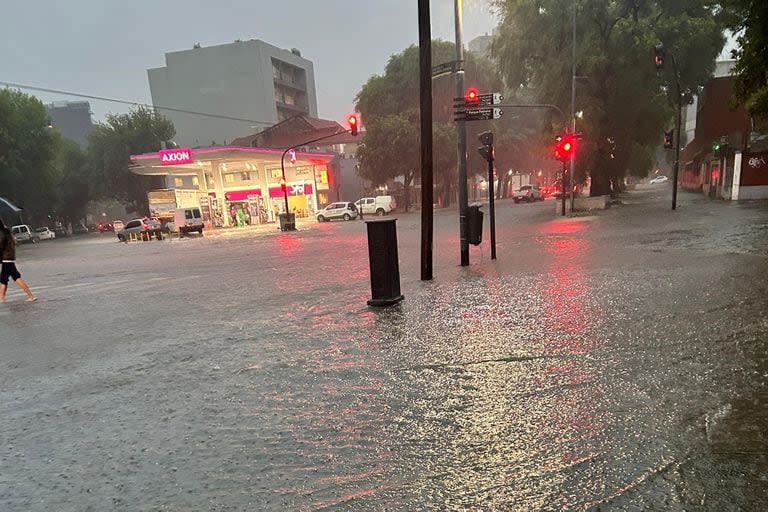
(288, 99)
(133, 224)
(245, 176)
(195, 181)
(229, 178)
(188, 214)
(276, 173)
(178, 182)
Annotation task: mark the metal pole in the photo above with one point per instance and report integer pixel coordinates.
(678, 121)
(285, 191)
(461, 134)
(562, 187)
(573, 102)
(425, 108)
(491, 203)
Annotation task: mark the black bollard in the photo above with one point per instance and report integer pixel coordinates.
(385, 266)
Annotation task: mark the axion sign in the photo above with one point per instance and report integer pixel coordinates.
(176, 156)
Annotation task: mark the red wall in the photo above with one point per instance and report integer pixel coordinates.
(754, 169)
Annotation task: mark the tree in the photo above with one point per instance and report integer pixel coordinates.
(750, 19)
(389, 108)
(74, 188)
(27, 176)
(111, 145)
(625, 103)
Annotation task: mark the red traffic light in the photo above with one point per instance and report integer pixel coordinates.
(565, 147)
(472, 96)
(352, 120)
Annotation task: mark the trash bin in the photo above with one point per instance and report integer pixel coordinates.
(474, 224)
(384, 263)
(287, 222)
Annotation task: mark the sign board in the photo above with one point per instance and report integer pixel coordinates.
(447, 68)
(176, 156)
(479, 114)
(491, 98)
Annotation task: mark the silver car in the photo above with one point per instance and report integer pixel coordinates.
(340, 210)
(144, 227)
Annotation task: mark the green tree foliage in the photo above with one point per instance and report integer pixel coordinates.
(749, 18)
(389, 108)
(27, 174)
(74, 186)
(626, 104)
(111, 145)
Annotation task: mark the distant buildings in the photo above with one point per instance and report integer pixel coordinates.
(724, 157)
(72, 119)
(249, 80)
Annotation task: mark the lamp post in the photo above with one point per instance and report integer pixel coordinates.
(284, 183)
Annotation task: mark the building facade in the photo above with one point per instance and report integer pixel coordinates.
(253, 81)
(72, 119)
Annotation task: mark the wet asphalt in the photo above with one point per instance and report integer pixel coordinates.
(614, 361)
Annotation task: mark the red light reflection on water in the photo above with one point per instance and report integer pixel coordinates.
(566, 289)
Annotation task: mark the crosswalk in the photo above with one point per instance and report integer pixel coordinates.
(58, 291)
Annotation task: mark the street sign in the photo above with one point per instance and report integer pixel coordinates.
(447, 68)
(479, 114)
(491, 98)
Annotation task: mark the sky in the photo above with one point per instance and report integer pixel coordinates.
(104, 47)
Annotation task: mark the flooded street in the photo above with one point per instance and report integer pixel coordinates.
(612, 362)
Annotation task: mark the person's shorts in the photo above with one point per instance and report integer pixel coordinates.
(7, 271)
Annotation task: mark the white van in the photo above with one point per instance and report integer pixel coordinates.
(186, 220)
(23, 233)
(380, 205)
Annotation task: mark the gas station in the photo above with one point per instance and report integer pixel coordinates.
(222, 179)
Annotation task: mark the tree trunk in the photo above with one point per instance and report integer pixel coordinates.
(601, 185)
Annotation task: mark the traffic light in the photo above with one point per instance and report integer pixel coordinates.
(283, 186)
(472, 95)
(659, 55)
(565, 147)
(486, 150)
(352, 120)
(717, 148)
(668, 138)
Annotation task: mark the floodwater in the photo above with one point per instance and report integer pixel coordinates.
(614, 361)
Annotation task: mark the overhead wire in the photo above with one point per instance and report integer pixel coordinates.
(128, 102)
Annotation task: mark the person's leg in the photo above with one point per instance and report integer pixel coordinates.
(3, 280)
(25, 288)
(3, 288)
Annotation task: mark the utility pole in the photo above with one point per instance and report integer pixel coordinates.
(573, 102)
(461, 133)
(425, 108)
(678, 122)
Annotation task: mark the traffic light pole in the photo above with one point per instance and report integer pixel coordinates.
(461, 133)
(491, 204)
(678, 122)
(562, 187)
(425, 109)
(282, 161)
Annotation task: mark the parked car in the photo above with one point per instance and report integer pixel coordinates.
(23, 233)
(145, 225)
(340, 210)
(105, 226)
(185, 220)
(659, 179)
(379, 205)
(45, 233)
(528, 193)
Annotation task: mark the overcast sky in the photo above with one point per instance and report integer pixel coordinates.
(104, 47)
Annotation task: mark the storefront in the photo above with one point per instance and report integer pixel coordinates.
(243, 185)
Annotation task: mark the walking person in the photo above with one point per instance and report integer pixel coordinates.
(8, 269)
